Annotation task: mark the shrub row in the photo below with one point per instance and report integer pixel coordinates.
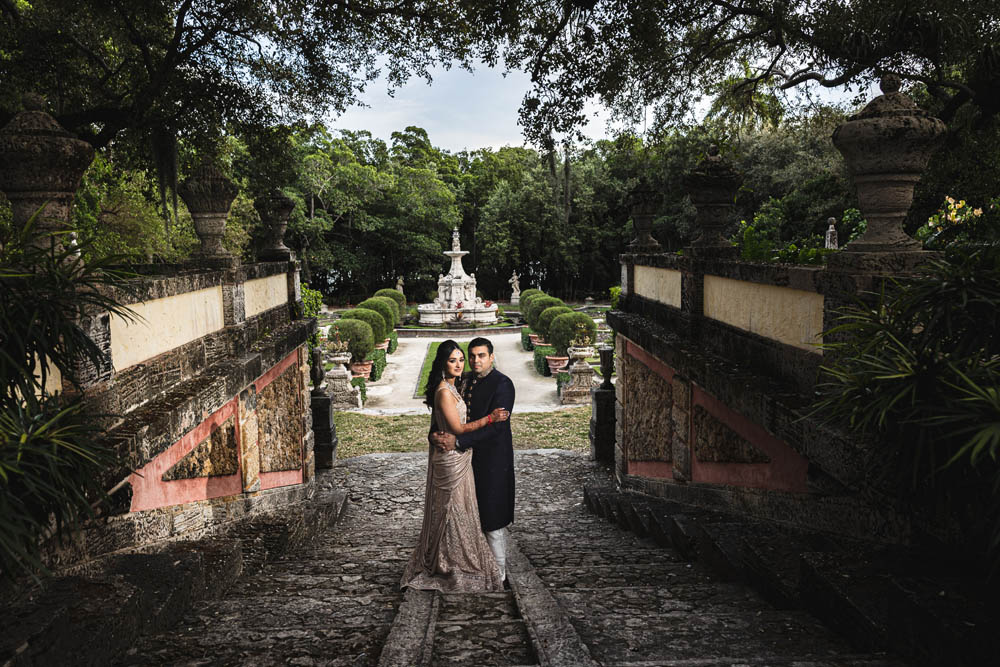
(378, 367)
(379, 315)
(362, 388)
(542, 366)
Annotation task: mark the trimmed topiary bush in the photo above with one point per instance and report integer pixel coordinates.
(541, 365)
(393, 341)
(526, 300)
(371, 317)
(525, 341)
(385, 307)
(538, 304)
(358, 334)
(545, 319)
(396, 296)
(569, 326)
(530, 292)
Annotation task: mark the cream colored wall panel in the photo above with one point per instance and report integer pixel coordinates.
(663, 285)
(164, 324)
(790, 316)
(263, 294)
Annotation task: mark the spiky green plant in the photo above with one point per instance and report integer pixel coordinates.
(52, 459)
(916, 368)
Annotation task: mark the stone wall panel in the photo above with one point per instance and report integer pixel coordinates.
(648, 427)
(715, 442)
(279, 410)
(212, 457)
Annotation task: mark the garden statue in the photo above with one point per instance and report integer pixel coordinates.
(831, 235)
(399, 284)
(515, 289)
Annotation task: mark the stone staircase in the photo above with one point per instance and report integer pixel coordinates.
(101, 610)
(880, 598)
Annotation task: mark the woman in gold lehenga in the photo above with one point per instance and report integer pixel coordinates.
(452, 553)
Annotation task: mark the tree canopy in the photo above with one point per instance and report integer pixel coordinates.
(634, 54)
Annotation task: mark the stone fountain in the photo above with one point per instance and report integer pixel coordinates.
(457, 302)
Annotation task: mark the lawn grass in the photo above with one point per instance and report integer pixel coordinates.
(425, 369)
(360, 434)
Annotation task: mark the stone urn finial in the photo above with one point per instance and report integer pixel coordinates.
(712, 186)
(41, 165)
(316, 371)
(886, 147)
(208, 195)
(274, 209)
(645, 203)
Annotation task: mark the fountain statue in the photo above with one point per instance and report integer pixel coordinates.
(456, 300)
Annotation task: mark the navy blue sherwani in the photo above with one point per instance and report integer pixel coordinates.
(492, 448)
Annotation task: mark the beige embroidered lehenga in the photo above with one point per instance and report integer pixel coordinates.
(452, 553)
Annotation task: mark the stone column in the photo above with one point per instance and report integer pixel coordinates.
(645, 202)
(274, 210)
(41, 165)
(886, 147)
(712, 186)
(322, 414)
(602, 412)
(208, 195)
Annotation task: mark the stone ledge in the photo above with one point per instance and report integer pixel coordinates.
(456, 333)
(94, 616)
(881, 597)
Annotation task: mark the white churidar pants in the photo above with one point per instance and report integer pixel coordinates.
(497, 540)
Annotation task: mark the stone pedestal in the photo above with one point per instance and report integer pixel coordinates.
(582, 378)
(602, 425)
(326, 433)
(339, 388)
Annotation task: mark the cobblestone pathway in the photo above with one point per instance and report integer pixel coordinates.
(585, 592)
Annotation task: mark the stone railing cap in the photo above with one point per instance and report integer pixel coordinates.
(890, 103)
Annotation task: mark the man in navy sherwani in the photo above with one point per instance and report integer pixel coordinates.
(485, 389)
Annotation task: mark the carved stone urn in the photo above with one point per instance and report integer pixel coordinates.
(712, 186)
(40, 168)
(208, 195)
(607, 365)
(886, 147)
(645, 201)
(274, 210)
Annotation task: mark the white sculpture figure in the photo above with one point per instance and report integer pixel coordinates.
(456, 245)
(831, 235)
(399, 283)
(515, 284)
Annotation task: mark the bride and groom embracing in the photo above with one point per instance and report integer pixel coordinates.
(469, 498)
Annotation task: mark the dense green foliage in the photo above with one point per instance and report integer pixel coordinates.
(53, 464)
(358, 334)
(383, 307)
(536, 307)
(396, 296)
(545, 318)
(391, 305)
(570, 328)
(374, 319)
(377, 357)
(525, 340)
(539, 354)
(917, 369)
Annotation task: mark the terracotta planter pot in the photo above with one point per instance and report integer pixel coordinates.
(556, 363)
(384, 345)
(361, 369)
(536, 340)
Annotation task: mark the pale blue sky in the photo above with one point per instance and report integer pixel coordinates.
(460, 110)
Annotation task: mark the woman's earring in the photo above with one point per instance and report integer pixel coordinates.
(444, 376)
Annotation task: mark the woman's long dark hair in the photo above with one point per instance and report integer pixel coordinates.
(437, 369)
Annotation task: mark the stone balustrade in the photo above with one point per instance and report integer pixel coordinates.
(204, 393)
(718, 359)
